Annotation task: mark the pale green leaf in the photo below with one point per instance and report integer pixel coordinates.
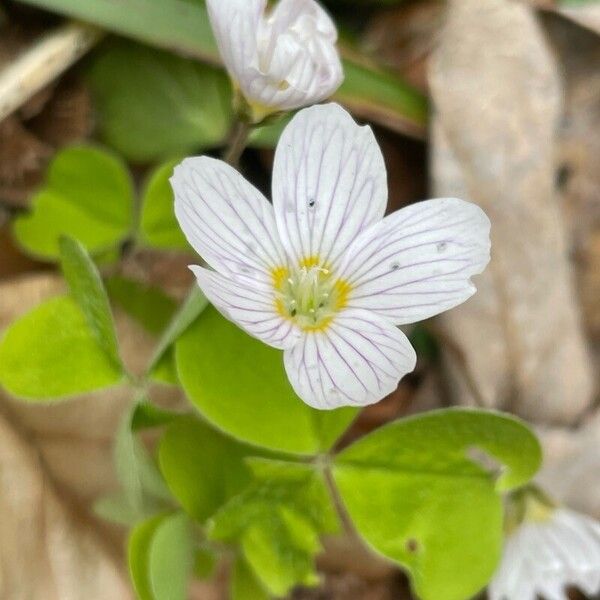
(160, 556)
(201, 466)
(278, 520)
(239, 384)
(138, 555)
(158, 225)
(171, 558)
(50, 353)
(418, 492)
(88, 291)
(87, 195)
(153, 105)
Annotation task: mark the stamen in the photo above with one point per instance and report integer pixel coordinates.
(310, 295)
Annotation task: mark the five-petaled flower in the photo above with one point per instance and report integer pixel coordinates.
(551, 550)
(320, 273)
(279, 61)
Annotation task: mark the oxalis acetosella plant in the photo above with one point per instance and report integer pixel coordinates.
(292, 327)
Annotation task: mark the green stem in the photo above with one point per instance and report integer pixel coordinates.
(238, 139)
(338, 502)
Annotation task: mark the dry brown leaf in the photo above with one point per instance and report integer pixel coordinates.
(587, 15)
(497, 96)
(51, 547)
(572, 464)
(579, 54)
(402, 38)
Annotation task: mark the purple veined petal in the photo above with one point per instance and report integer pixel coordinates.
(329, 183)
(226, 220)
(358, 359)
(251, 307)
(235, 24)
(418, 261)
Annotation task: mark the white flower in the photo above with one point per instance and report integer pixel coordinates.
(281, 60)
(320, 273)
(544, 556)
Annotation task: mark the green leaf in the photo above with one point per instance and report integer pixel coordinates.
(153, 105)
(239, 384)
(278, 520)
(148, 305)
(160, 553)
(142, 483)
(244, 585)
(88, 291)
(158, 227)
(171, 558)
(50, 353)
(193, 305)
(369, 91)
(88, 195)
(417, 492)
(201, 466)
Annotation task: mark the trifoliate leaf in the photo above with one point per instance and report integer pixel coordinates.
(239, 384)
(88, 195)
(277, 520)
(417, 492)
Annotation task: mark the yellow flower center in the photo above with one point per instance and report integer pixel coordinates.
(310, 294)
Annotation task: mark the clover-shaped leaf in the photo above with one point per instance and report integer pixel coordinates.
(88, 195)
(417, 491)
(277, 520)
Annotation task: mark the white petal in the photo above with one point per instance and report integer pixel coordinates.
(329, 183)
(235, 24)
(418, 261)
(226, 220)
(357, 360)
(297, 62)
(252, 308)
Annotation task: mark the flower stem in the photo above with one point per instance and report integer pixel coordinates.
(236, 143)
(338, 502)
